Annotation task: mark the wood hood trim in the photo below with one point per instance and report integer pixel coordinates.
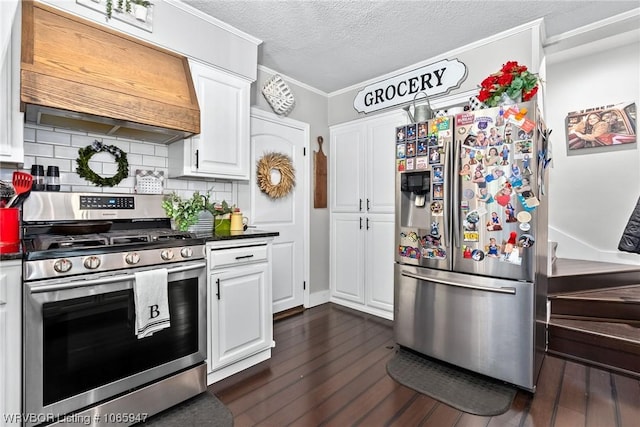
(73, 64)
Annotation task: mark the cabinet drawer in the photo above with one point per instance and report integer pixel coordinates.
(237, 256)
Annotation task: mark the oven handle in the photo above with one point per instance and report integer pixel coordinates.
(106, 280)
(502, 290)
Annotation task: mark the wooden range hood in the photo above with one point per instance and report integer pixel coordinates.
(82, 76)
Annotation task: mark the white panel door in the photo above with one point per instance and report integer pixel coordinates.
(286, 215)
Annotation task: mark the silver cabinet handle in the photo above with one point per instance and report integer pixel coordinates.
(2, 303)
(502, 290)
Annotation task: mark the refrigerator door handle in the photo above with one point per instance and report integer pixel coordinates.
(455, 190)
(501, 290)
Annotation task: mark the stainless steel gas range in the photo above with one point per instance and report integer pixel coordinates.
(82, 357)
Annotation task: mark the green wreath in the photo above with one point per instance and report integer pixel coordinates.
(83, 169)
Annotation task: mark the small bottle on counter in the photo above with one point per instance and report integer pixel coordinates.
(53, 178)
(38, 184)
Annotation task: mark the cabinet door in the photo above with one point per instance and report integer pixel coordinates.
(347, 159)
(222, 147)
(379, 261)
(347, 266)
(11, 119)
(10, 341)
(241, 320)
(380, 168)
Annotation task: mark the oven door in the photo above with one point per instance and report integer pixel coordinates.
(80, 342)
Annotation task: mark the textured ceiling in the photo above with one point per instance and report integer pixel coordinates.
(331, 45)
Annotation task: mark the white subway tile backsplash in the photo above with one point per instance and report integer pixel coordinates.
(159, 162)
(51, 137)
(57, 147)
(63, 152)
(29, 134)
(142, 148)
(162, 151)
(83, 140)
(35, 149)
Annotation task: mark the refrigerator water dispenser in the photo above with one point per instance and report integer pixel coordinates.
(415, 193)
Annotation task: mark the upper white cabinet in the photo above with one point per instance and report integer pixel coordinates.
(221, 150)
(363, 165)
(11, 119)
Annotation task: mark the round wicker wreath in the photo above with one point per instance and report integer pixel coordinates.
(282, 164)
(83, 169)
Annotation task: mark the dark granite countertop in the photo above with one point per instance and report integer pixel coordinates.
(10, 255)
(249, 233)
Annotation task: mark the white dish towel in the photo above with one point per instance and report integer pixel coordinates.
(150, 295)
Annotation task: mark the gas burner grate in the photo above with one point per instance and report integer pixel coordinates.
(46, 242)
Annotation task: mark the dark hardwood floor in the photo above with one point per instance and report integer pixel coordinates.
(328, 368)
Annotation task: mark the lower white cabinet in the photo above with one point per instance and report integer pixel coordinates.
(239, 307)
(10, 342)
(362, 260)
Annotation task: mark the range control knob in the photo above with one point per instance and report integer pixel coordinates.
(167, 254)
(132, 258)
(91, 262)
(62, 265)
(186, 252)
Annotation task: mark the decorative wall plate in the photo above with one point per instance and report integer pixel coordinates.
(278, 95)
(149, 182)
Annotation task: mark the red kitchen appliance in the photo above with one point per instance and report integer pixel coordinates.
(9, 230)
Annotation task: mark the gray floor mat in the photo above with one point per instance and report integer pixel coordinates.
(464, 390)
(202, 410)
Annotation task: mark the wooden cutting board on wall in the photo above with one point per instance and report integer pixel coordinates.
(320, 178)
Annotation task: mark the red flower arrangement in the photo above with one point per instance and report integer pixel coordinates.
(513, 79)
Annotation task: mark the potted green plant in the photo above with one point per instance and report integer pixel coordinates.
(184, 212)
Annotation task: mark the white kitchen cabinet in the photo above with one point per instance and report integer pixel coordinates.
(239, 308)
(11, 119)
(362, 164)
(362, 176)
(221, 150)
(10, 341)
(362, 262)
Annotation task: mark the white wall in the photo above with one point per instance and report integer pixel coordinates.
(592, 195)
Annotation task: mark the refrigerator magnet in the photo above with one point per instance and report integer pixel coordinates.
(411, 131)
(400, 133)
(526, 240)
(523, 216)
(477, 255)
(411, 149)
(436, 208)
(422, 147)
(401, 165)
(437, 174)
(438, 191)
(422, 130)
(525, 226)
(400, 151)
(410, 165)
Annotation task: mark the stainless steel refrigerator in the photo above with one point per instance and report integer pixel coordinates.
(471, 241)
